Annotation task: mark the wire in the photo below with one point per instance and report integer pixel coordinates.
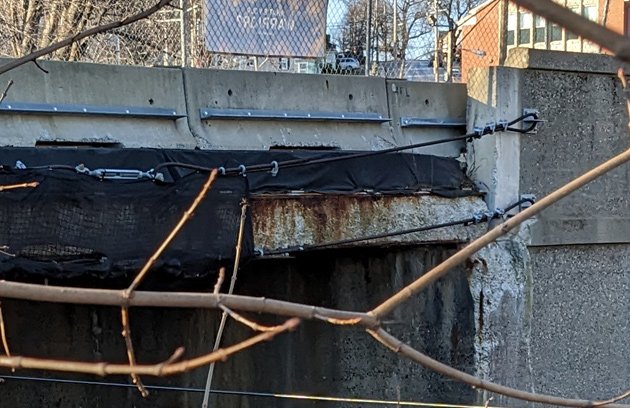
(248, 393)
(476, 134)
(475, 219)
(274, 166)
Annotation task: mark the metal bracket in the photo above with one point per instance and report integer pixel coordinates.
(531, 198)
(260, 114)
(119, 174)
(407, 122)
(88, 110)
(527, 122)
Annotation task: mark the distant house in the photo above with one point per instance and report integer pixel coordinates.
(495, 26)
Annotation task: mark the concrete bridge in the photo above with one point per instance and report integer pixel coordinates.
(544, 310)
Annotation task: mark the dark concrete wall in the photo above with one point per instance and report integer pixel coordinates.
(317, 359)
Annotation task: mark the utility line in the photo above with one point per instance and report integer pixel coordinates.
(475, 219)
(275, 166)
(491, 128)
(365, 401)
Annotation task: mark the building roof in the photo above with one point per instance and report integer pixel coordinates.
(470, 18)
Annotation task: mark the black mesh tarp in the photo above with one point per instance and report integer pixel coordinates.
(75, 225)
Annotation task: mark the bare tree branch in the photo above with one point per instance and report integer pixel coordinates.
(109, 297)
(409, 352)
(613, 400)
(246, 322)
(461, 256)
(3, 334)
(32, 184)
(220, 278)
(77, 37)
(219, 336)
(6, 90)
(156, 370)
(126, 333)
(185, 217)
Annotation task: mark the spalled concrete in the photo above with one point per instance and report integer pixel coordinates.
(286, 221)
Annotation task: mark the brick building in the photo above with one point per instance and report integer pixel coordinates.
(495, 26)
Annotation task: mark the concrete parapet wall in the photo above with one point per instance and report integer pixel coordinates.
(89, 86)
(216, 89)
(439, 102)
(367, 109)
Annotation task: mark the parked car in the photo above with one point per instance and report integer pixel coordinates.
(349, 64)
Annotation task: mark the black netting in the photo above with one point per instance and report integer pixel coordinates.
(72, 225)
(75, 225)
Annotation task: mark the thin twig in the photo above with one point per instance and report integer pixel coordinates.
(613, 400)
(3, 334)
(32, 184)
(155, 370)
(84, 34)
(461, 256)
(251, 324)
(188, 300)
(220, 278)
(126, 333)
(104, 297)
(6, 90)
(409, 352)
(185, 217)
(217, 340)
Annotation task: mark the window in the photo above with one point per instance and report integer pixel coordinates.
(570, 35)
(590, 12)
(539, 30)
(511, 29)
(525, 28)
(556, 32)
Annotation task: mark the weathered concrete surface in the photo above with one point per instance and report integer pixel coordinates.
(317, 359)
(93, 84)
(426, 100)
(285, 221)
(581, 320)
(530, 58)
(275, 91)
(586, 125)
(501, 288)
(560, 314)
(493, 161)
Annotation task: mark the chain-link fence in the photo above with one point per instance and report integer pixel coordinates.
(423, 40)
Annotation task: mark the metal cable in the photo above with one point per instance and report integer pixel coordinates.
(475, 219)
(365, 401)
(478, 133)
(501, 126)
